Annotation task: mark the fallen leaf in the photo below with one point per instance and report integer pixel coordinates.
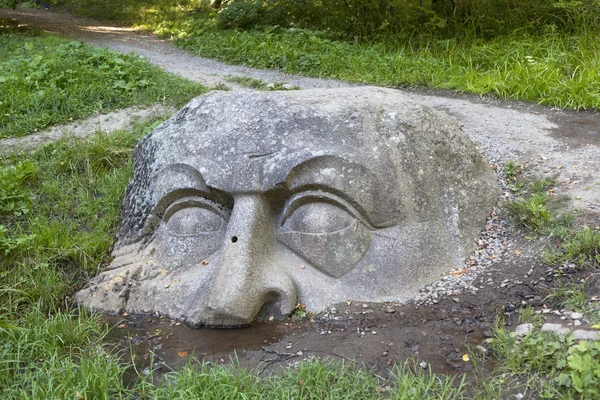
(271, 318)
(466, 358)
(349, 302)
(390, 344)
(183, 354)
(205, 262)
(121, 326)
(596, 326)
(380, 389)
(164, 271)
(517, 252)
(388, 362)
(300, 381)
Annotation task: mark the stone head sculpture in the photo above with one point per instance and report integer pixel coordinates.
(246, 204)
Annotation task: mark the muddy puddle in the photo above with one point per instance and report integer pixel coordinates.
(168, 344)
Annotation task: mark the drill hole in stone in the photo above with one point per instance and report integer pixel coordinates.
(234, 239)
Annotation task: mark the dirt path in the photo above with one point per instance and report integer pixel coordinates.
(549, 142)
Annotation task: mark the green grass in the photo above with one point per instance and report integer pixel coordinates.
(581, 247)
(59, 207)
(58, 213)
(552, 69)
(308, 379)
(568, 295)
(537, 208)
(542, 65)
(47, 80)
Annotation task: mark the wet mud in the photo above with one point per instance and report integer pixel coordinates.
(375, 335)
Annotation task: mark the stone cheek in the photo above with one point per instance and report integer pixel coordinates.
(245, 204)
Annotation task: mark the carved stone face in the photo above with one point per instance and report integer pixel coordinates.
(247, 204)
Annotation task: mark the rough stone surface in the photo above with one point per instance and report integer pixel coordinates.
(556, 328)
(524, 329)
(581, 334)
(246, 204)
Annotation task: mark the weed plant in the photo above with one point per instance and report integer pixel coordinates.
(538, 210)
(259, 84)
(46, 80)
(581, 247)
(569, 295)
(549, 366)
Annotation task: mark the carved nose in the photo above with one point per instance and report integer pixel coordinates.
(247, 279)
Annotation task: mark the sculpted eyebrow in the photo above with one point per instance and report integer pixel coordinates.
(352, 182)
(179, 176)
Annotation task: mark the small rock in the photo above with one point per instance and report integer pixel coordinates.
(524, 329)
(581, 334)
(390, 310)
(423, 364)
(556, 328)
(576, 315)
(456, 299)
(577, 322)
(484, 351)
(365, 306)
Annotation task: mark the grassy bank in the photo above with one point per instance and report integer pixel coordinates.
(47, 80)
(544, 65)
(58, 213)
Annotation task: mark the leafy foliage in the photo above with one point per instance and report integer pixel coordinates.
(582, 374)
(45, 80)
(8, 3)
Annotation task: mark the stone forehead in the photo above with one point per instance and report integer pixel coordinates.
(224, 126)
(234, 138)
(372, 143)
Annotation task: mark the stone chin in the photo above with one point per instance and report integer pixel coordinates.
(245, 204)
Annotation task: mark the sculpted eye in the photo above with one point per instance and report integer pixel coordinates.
(195, 216)
(193, 220)
(315, 222)
(317, 217)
